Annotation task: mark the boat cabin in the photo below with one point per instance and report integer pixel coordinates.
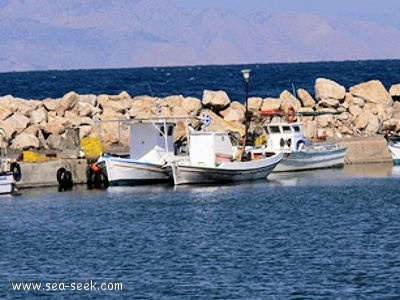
(209, 148)
(285, 136)
(151, 138)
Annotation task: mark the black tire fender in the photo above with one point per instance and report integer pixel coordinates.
(61, 175)
(15, 168)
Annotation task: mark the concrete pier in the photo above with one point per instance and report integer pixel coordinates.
(372, 149)
(40, 174)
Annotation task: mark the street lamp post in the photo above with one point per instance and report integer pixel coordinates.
(246, 76)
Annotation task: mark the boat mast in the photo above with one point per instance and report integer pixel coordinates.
(247, 114)
(3, 149)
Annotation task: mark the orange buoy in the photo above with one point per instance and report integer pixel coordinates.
(291, 114)
(271, 112)
(95, 168)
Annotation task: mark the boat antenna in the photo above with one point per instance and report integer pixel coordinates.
(150, 90)
(3, 142)
(294, 90)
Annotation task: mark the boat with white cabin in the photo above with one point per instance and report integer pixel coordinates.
(151, 144)
(10, 171)
(394, 147)
(299, 153)
(213, 159)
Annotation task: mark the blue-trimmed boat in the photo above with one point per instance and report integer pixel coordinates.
(299, 153)
(394, 147)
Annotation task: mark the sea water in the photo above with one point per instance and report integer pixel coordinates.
(266, 80)
(327, 234)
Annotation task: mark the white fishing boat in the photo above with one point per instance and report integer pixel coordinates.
(394, 147)
(10, 171)
(213, 159)
(300, 153)
(7, 182)
(151, 143)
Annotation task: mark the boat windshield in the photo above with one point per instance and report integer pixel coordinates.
(274, 129)
(296, 128)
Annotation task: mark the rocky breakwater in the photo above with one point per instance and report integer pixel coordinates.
(364, 111)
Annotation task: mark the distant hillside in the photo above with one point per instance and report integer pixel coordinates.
(74, 34)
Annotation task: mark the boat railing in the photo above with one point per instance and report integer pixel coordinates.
(321, 146)
(123, 122)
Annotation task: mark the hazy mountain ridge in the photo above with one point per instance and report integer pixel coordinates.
(96, 34)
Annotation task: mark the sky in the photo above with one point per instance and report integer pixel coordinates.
(381, 11)
(83, 33)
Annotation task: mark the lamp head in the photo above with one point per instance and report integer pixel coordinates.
(246, 74)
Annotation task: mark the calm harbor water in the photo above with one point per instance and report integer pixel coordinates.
(328, 234)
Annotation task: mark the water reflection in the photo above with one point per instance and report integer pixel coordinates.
(336, 174)
(368, 170)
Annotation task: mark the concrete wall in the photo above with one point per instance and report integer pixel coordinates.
(366, 150)
(39, 174)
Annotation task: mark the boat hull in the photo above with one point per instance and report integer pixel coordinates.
(125, 171)
(394, 147)
(309, 160)
(226, 172)
(6, 183)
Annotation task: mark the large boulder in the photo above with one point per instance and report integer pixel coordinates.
(352, 100)
(36, 131)
(255, 103)
(18, 121)
(310, 129)
(174, 100)
(215, 100)
(50, 104)
(56, 125)
(384, 111)
(234, 113)
(87, 109)
(56, 142)
(372, 91)
(87, 130)
(325, 120)
(396, 110)
(345, 118)
(120, 103)
(374, 125)
(394, 91)
(8, 128)
(143, 107)
(25, 107)
(191, 106)
(270, 104)
(288, 100)
(25, 141)
(7, 107)
(88, 99)
(5, 110)
(362, 119)
(306, 99)
(329, 103)
(67, 102)
(328, 89)
(38, 116)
